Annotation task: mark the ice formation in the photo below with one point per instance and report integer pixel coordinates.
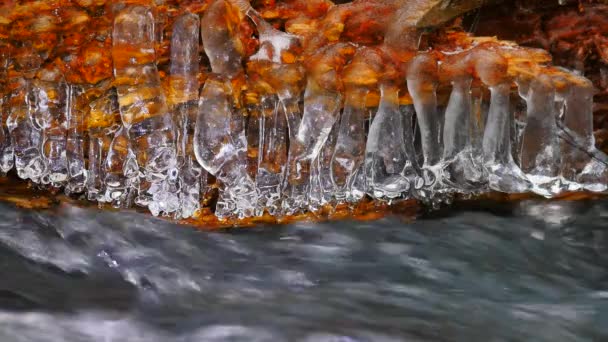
(288, 122)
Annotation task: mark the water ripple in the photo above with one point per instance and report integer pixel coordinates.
(532, 271)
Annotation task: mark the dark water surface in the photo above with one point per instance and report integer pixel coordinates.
(530, 271)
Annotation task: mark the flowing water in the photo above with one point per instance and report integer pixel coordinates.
(528, 271)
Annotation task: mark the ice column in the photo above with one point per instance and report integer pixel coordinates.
(422, 82)
(220, 144)
(50, 116)
(272, 154)
(144, 112)
(322, 188)
(275, 63)
(321, 110)
(183, 98)
(7, 154)
(540, 153)
(503, 174)
(322, 102)
(388, 166)
(297, 173)
(461, 171)
(222, 152)
(102, 123)
(582, 162)
(359, 76)
(25, 137)
(75, 140)
(412, 170)
(349, 154)
(120, 170)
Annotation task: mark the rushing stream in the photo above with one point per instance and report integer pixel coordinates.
(529, 271)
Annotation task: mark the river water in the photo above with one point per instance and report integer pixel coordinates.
(527, 271)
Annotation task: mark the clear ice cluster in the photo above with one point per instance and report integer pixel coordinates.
(468, 121)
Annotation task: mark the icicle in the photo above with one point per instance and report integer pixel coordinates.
(387, 163)
(460, 169)
(348, 156)
(184, 85)
(412, 170)
(308, 133)
(540, 154)
(295, 180)
(503, 174)
(25, 137)
(275, 63)
(479, 115)
(212, 143)
(218, 26)
(102, 123)
(191, 188)
(272, 155)
(307, 137)
(50, 117)
(297, 172)
(321, 110)
(328, 189)
(347, 165)
(7, 154)
(75, 140)
(120, 169)
(183, 98)
(422, 86)
(296, 187)
(253, 130)
(519, 124)
(322, 188)
(242, 192)
(582, 163)
(220, 144)
(221, 151)
(143, 107)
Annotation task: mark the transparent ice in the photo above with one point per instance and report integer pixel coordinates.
(389, 166)
(143, 108)
(26, 139)
(540, 151)
(184, 105)
(77, 173)
(284, 136)
(462, 171)
(582, 162)
(348, 157)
